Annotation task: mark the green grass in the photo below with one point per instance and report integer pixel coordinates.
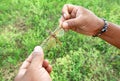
(24, 24)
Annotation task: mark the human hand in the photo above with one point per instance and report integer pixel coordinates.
(80, 19)
(35, 68)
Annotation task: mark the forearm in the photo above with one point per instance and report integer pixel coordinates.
(86, 22)
(112, 35)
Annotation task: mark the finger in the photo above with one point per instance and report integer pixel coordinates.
(49, 69)
(27, 62)
(25, 65)
(67, 9)
(38, 57)
(61, 20)
(74, 12)
(45, 63)
(68, 24)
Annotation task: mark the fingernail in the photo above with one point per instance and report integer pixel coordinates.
(65, 24)
(65, 16)
(37, 49)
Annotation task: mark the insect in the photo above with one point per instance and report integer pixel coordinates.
(52, 40)
(57, 40)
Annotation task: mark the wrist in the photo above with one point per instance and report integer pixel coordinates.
(102, 27)
(112, 35)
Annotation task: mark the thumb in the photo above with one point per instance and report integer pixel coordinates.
(71, 23)
(38, 57)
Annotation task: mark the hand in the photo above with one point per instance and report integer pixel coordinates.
(35, 68)
(80, 20)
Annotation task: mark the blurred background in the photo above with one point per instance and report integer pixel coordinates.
(25, 24)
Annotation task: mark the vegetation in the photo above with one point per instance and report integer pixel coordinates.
(25, 24)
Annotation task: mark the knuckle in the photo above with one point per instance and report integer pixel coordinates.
(81, 8)
(31, 69)
(73, 15)
(67, 5)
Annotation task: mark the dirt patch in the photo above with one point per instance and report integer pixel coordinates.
(20, 25)
(8, 73)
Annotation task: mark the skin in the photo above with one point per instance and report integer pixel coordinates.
(85, 22)
(35, 68)
(75, 18)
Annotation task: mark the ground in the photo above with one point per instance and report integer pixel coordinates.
(25, 24)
